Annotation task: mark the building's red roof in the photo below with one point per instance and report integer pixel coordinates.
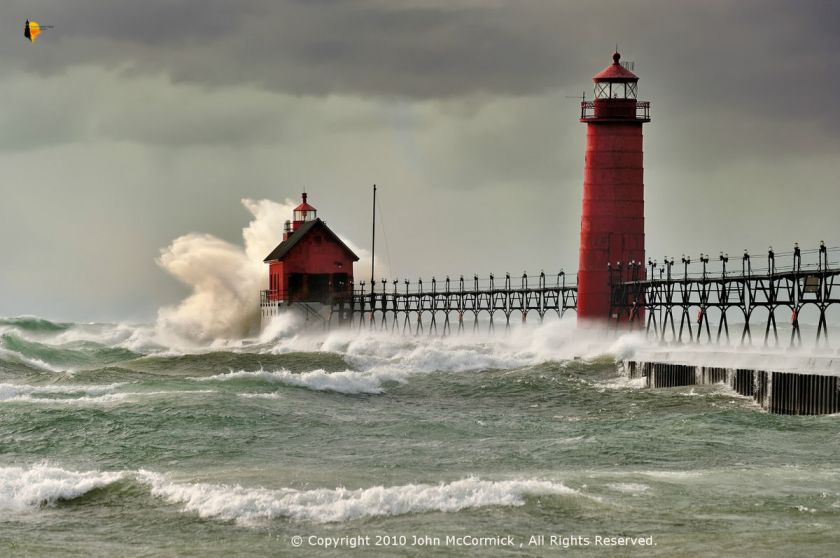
(615, 72)
(282, 249)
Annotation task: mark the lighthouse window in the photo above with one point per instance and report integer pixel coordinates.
(602, 90)
(622, 90)
(305, 215)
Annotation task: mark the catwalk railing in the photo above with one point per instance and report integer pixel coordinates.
(700, 300)
(589, 110)
(441, 307)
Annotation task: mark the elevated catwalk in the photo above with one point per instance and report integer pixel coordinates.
(445, 307)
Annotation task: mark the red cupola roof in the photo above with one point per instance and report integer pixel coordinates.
(304, 206)
(615, 72)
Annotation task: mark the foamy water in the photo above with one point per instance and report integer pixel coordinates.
(325, 505)
(348, 381)
(27, 488)
(235, 446)
(30, 488)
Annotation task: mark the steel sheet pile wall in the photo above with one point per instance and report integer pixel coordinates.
(784, 393)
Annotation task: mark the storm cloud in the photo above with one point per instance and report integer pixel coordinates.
(133, 123)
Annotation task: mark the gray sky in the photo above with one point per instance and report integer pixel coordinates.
(132, 123)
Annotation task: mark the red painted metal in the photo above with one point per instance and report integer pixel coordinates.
(615, 72)
(316, 258)
(613, 218)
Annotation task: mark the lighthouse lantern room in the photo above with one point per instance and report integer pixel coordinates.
(303, 213)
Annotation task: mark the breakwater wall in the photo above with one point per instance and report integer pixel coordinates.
(786, 392)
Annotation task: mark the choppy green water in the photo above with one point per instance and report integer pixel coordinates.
(111, 445)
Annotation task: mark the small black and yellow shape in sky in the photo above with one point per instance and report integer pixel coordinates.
(32, 29)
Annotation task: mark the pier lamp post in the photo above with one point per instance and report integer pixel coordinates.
(823, 256)
(669, 262)
(823, 288)
(704, 259)
(797, 258)
(771, 261)
(652, 264)
(724, 258)
(685, 262)
(746, 267)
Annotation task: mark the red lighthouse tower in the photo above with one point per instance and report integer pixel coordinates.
(612, 227)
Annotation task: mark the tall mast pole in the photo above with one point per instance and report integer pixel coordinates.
(373, 241)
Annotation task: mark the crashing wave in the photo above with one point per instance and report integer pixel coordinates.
(45, 485)
(326, 505)
(28, 488)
